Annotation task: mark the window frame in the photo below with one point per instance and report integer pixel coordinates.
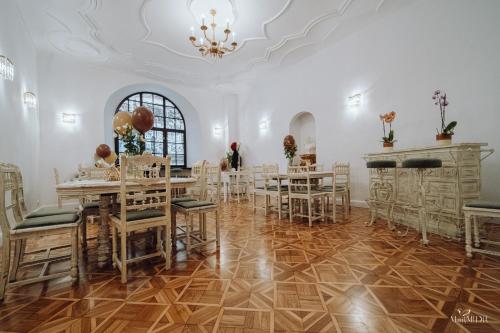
(165, 130)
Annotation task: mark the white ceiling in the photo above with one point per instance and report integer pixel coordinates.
(150, 37)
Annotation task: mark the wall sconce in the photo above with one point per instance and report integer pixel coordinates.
(30, 99)
(217, 131)
(69, 118)
(264, 125)
(354, 100)
(6, 68)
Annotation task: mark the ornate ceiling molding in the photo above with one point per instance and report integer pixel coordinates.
(303, 34)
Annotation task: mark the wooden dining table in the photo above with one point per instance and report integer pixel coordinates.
(106, 190)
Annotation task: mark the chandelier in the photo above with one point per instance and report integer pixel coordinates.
(211, 46)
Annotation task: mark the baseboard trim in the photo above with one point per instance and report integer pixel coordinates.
(359, 203)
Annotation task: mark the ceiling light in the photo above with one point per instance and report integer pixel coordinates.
(30, 99)
(6, 68)
(210, 45)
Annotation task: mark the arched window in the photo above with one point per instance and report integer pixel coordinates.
(168, 135)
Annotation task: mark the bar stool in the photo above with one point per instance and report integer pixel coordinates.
(423, 167)
(472, 211)
(382, 191)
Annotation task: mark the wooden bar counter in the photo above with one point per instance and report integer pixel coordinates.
(447, 188)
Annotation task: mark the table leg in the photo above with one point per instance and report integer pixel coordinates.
(103, 248)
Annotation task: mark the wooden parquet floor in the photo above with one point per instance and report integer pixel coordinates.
(272, 276)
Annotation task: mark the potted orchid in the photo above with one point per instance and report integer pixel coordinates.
(388, 138)
(444, 137)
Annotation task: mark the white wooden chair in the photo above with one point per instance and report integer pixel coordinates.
(214, 182)
(17, 229)
(143, 205)
(302, 188)
(61, 198)
(473, 211)
(200, 206)
(342, 186)
(239, 184)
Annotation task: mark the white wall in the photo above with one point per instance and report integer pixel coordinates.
(396, 62)
(18, 124)
(92, 93)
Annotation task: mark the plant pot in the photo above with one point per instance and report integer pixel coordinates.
(388, 146)
(443, 139)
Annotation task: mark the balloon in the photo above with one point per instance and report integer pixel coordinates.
(121, 120)
(111, 158)
(103, 151)
(142, 119)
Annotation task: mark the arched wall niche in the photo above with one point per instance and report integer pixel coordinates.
(303, 129)
(193, 127)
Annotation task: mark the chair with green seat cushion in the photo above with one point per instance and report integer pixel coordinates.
(474, 211)
(181, 199)
(207, 177)
(483, 204)
(47, 211)
(17, 232)
(143, 214)
(194, 204)
(47, 221)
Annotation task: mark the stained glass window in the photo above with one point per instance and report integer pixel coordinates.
(168, 135)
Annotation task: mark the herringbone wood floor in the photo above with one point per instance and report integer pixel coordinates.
(271, 276)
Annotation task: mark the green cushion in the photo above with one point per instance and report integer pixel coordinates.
(194, 204)
(422, 163)
(47, 211)
(44, 221)
(90, 205)
(181, 199)
(483, 204)
(381, 164)
(305, 192)
(143, 214)
(275, 188)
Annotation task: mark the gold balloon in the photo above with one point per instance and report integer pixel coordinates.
(111, 158)
(121, 120)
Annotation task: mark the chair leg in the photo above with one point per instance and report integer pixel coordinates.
(309, 211)
(5, 264)
(217, 228)
(19, 246)
(476, 232)
(290, 206)
(74, 252)
(167, 247)
(349, 199)
(189, 224)
(84, 231)
(279, 206)
(114, 248)
(173, 229)
(123, 255)
(468, 242)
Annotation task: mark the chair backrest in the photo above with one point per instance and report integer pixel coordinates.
(315, 167)
(10, 208)
(57, 178)
(92, 172)
(261, 175)
(20, 187)
(213, 179)
(299, 179)
(342, 172)
(197, 167)
(199, 189)
(142, 186)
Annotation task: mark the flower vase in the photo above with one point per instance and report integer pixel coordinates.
(388, 146)
(443, 139)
